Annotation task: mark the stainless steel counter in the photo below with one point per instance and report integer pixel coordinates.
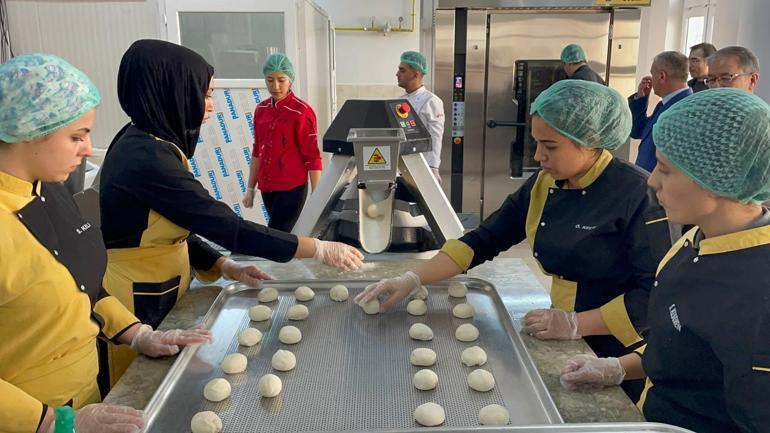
(516, 284)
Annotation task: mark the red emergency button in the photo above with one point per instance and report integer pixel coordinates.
(403, 109)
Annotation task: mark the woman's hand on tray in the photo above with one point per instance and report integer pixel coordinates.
(551, 324)
(390, 290)
(245, 273)
(339, 255)
(166, 343)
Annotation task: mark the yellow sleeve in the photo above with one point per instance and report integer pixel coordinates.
(115, 316)
(615, 315)
(640, 350)
(19, 411)
(459, 252)
(208, 276)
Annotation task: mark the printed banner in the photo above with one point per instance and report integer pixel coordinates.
(223, 156)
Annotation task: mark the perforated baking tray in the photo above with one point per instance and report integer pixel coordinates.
(353, 371)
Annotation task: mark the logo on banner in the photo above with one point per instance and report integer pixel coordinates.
(237, 209)
(250, 120)
(214, 185)
(247, 154)
(221, 161)
(241, 182)
(255, 94)
(230, 105)
(223, 127)
(374, 158)
(194, 167)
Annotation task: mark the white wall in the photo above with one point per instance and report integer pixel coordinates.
(369, 58)
(92, 35)
(661, 30)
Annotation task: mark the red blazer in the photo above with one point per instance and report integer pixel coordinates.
(286, 143)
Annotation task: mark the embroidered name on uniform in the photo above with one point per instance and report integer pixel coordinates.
(675, 317)
(80, 230)
(582, 227)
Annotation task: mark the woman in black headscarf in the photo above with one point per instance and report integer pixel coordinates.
(152, 207)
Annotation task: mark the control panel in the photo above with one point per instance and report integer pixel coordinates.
(458, 109)
(405, 116)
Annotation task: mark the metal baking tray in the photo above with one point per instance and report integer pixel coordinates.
(353, 371)
(620, 427)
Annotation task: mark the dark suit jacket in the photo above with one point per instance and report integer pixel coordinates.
(587, 74)
(642, 126)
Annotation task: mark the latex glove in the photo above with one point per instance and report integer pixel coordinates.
(587, 372)
(337, 254)
(393, 290)
(245, 273)
(166, 343)
(107, 418)
(551, 324)
(248, 198)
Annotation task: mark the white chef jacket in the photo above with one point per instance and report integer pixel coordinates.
(430, 109)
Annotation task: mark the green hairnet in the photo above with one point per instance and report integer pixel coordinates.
(278, 62)
(415, 60)
(40, 93)
(720, 138)
(588, 113)
(573, 53)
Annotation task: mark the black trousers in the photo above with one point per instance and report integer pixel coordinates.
(283, 207)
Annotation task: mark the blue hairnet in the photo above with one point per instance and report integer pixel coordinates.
(720, 138)
(573, 53)
(415, 60)
(40, 93)
(278, 62)
(588, 113)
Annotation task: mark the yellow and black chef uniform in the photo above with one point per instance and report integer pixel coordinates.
(601, 244)
(707, 357)
(52, 304)
(152, 207)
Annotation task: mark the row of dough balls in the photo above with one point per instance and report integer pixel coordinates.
(268, 385)
(418, 307)
(479, 379)
(338, 293)
(465, 332)
(432, 414)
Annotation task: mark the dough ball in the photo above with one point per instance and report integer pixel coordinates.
(206, 422)
(217, 390)
(249, 337)
(304, 293)
(494, 414)
(425, 380)
(467, 332)
(269, 385)
(473, 356)
(457, 289)
(416, 307)
(420, 331)
(373, 211)
(260, 313)
(283, 360)
(234, 363)
(422, 357)
(421, 294)
(268, 294)
(290, 335)
(481, 380)
(339, 293)
(372, 307)
(429, 414)
(463, 311)
(297, 312)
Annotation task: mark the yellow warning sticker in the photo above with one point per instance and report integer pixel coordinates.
(377, 157)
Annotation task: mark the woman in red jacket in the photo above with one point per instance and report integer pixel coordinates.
(285, 148)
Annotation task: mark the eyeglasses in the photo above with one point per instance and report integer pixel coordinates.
(723, 80)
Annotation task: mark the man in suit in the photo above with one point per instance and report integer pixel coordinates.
(698, 67)
(733, 67)
(574, 62)
(668, 79)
